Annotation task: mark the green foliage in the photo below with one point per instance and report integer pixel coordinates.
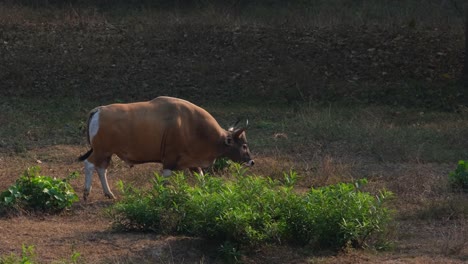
(458, 179)
(28, 256)
(75, 258)
(337, 215)
(250, 210)
(33, 191)
(221, 164)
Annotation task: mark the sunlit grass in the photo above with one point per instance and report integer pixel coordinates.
(28, 123)
(384, 134)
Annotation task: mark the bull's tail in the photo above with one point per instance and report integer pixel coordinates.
(86, 155)
(91, 114)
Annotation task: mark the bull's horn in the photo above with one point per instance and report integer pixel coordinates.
(233, 127)
(236, 123)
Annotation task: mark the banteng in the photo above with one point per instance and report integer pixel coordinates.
(171, 131)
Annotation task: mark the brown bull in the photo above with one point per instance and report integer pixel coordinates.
(167, 130)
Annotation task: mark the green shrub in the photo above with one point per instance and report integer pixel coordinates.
(249, 210)
(458, 179)
(337, 215)
(33, 191)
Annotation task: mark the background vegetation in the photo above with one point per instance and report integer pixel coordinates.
(407, 53)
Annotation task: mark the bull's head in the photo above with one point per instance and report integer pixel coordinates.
(237, 149)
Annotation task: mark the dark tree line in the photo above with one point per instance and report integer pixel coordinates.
(459, 6)
(463, 12)
(464, 76)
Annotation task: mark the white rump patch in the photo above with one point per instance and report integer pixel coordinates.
(93, 126)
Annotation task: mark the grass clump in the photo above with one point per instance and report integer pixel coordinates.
(458, 179)
(248, 210)
(33, 191)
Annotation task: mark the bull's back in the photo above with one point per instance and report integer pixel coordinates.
(146, 131)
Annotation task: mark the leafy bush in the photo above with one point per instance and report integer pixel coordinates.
(33, 191)
(459, 178)
(337, 215)
(249, 210)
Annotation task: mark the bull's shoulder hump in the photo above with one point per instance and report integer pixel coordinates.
(170, 100)
(173, 104)
(183, 108)
(125, 107)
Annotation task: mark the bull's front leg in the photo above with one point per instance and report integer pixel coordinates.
(197, 170)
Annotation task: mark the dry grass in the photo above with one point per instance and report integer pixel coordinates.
(454, 240)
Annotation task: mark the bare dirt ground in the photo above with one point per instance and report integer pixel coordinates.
(86, 228)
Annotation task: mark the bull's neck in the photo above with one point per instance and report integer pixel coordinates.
(222, 148)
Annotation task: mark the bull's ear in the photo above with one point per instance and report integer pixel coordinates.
(228, 140)
(238, 133)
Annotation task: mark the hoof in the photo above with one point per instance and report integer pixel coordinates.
(85, 196)
(110, 196)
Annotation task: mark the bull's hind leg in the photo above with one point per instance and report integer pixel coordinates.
(89, 170)
(99, 163)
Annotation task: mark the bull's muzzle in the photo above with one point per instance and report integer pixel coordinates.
(250, 163)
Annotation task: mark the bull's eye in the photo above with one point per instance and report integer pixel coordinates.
(244, 147)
